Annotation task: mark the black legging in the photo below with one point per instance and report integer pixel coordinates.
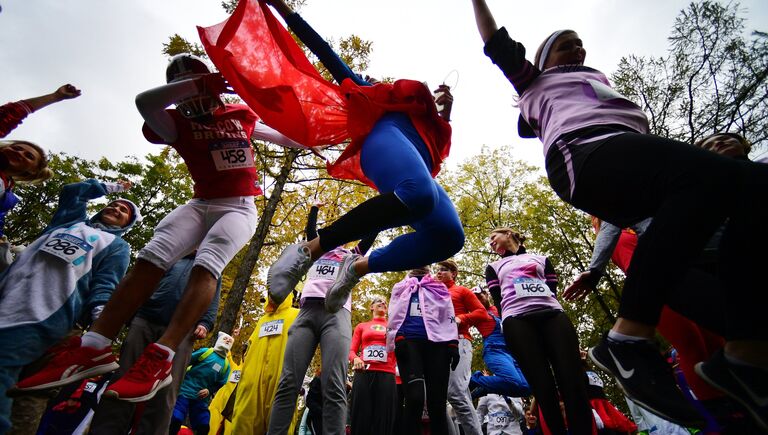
(545, 343)
(424, 368)
(374, 402)
(689, 192)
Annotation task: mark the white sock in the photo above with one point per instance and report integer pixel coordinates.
(618, 336)
(171, 352)
(94, 340)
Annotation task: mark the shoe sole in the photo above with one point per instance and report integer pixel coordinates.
(114, 395)
(335, 307)
(279, 299)
(79, 376)
(696, 425)
(758, 419)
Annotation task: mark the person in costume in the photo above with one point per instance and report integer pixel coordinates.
(373, 406)
(208, 371)
(62, 278)
(399, 141)
(314, 326)
(600, 158)
(261, 370)
(422, 332)
(213, 138)
(118, 416)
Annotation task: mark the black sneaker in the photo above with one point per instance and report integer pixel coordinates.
(646, 378)
(746, 385)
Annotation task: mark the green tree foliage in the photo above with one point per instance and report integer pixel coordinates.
(712, 80)
(177, 45)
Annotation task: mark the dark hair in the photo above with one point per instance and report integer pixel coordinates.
(450, 264)
(537, 58)
(742, 140)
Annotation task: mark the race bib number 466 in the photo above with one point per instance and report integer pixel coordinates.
(274, 327)
(531, 287)
(375, 352)
(231, 155)
(66, 246)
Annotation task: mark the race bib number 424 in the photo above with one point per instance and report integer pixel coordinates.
(66, 246)
(274, 327)
(231, 155)
(531, 287)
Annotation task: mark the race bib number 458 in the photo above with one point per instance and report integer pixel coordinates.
(231, 155)
(531, 287)
(66, 246)
(274, 327)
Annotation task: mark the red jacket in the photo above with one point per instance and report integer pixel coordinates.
(11, 115)
(467, 308)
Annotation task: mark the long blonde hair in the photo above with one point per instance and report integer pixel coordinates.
(39, 174)
(519, 238)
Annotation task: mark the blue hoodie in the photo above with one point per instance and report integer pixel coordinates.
(56, 281)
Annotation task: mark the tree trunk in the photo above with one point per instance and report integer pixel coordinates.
(237, 291)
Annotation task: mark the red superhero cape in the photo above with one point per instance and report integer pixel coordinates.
(270, 72)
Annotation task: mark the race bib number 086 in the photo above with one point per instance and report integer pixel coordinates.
(66, 246)
(531, 287)
(231, 155)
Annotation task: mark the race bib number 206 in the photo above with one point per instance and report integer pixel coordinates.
(375, 353)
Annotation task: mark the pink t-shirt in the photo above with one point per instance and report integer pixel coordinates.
(323, 273)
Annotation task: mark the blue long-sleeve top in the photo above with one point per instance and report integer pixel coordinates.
(160, 307)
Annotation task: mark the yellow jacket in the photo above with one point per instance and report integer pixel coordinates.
(261, 371)
(220, 400)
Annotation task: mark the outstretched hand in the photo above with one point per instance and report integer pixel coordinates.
(214, 84)
(579, 289)
(67, 92)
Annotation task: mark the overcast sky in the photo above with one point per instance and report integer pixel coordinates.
(111, 50)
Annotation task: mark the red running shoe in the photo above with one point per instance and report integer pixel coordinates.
(150, 373)
(69, 363)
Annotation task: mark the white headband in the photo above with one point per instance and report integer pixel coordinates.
(547, 47)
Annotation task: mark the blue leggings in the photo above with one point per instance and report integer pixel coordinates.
(394, 157)
(507, 379)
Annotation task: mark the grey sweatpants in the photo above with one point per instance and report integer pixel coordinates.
(333, 332)
(458, 390)
(116, 416)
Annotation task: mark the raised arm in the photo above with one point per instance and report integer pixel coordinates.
(12, 114)
(65, 92)
(316, 44)
(486, 25)
(153, 102)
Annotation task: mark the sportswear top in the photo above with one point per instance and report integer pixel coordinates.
(11, 115)
(485, 327)
(8, 199)
(210, 372)
(467, 307)
(504, 414)
(217, 151)
(371, 337)
(561, 99)
(522, 283)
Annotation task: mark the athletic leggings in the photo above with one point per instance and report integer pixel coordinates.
(391, 158)
(689, 192)
(424, 369)
(545, 343)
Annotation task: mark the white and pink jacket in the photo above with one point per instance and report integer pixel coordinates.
(436, 308)
(323, 273)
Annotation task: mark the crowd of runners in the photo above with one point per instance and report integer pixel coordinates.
(682, 221)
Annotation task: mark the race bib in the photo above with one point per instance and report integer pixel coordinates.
(274, 327)
(234, 377)
(604, 92)
(66, 246)
(90, 387)
(324, 269)
(531, 287)
(216, 367)
(375, 352)
(499, 419)
(594, 379)
(415, 309)
(235, 154)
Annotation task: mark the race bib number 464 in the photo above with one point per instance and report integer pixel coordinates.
(274, 327)
(531, 287)
(66, 246)
(231, 155)
(324, 269)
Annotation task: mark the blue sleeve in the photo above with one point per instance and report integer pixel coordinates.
(107, 273)
(210, 316)
(317, 45)
(8, 201)
(73, 202)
